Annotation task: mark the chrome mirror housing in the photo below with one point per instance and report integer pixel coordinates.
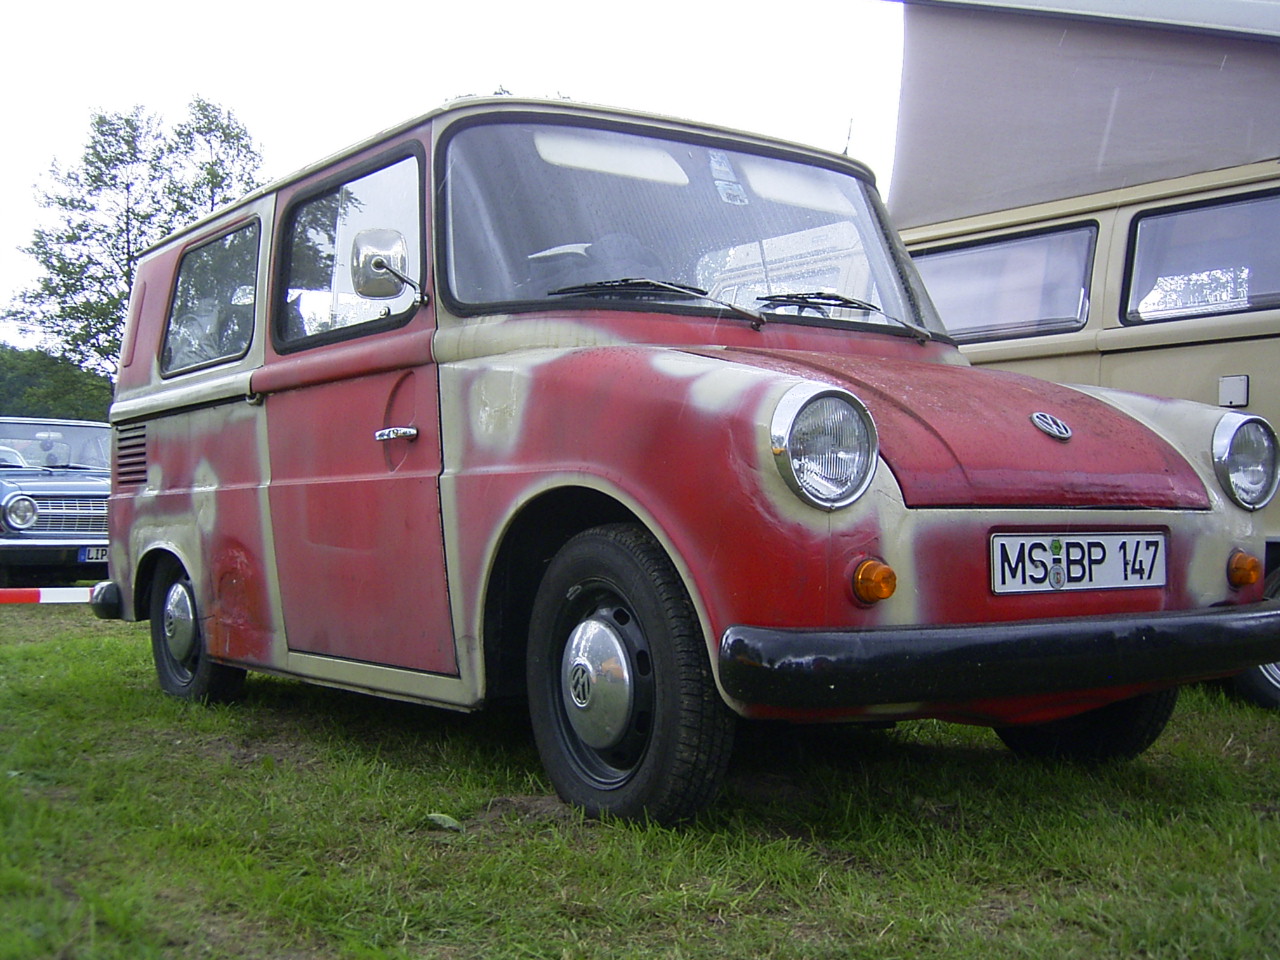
(379, 260)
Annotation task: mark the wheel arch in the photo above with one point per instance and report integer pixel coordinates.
(533, 536)
(145, 575)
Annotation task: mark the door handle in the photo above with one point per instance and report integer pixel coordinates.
(397, 433)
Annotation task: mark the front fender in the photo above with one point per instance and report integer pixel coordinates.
(680, 439)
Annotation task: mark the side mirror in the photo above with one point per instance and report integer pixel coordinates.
(379, 259)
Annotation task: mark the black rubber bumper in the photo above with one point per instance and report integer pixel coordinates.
(825, 669)
(105, 600)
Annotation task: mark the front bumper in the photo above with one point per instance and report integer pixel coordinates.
(106, 601)
(819, 669)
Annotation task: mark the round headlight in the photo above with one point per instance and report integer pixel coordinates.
(1244, 455)
(20, 513)
(824, 442)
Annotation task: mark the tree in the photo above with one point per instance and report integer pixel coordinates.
(135, 183)
(35, 384)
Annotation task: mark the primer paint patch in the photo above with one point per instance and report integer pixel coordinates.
(716, 385)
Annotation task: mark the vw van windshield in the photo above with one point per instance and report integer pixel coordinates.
(542, 212)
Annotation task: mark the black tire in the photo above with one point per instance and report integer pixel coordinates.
(1260, 685)
(624, 709)
(1118, 731)
(177, 642)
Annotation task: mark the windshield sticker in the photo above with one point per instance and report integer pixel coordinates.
(721, 168)
(732, 193)
(722, 172)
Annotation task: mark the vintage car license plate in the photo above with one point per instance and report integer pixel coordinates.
(1043, 562)
(93, 554)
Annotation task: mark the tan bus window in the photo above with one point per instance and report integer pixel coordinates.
(320, 294)
(1216, 259)
(1018, 287)
(212, 315)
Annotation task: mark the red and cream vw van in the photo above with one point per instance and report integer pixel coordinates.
(653, 425)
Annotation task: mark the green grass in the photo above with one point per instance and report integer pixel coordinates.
(310, 823)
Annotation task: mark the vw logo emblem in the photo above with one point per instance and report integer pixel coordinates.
(1052, 426)
(580, 683)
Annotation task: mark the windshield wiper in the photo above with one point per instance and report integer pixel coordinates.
(630, 287)
(820, 300)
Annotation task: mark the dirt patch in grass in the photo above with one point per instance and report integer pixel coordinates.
(524, 811)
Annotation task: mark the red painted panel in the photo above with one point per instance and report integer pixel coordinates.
(963, 437)
(358, 537)
(614, 415)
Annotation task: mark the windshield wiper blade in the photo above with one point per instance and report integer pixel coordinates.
(646, 286)
(821, 298)
(628, 287)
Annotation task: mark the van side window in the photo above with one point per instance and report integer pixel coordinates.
(1025, 286)
(211, 319)
(1216, 259)
(319, 294)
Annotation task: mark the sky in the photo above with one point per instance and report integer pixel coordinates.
(308, 80)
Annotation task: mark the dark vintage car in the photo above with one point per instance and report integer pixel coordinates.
(54, 481)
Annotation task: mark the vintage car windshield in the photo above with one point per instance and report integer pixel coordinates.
(35, 443)
(541, 212)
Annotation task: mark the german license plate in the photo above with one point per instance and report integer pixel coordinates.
(1044, 562)
(93, 554)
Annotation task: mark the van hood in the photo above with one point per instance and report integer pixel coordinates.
(959, 436)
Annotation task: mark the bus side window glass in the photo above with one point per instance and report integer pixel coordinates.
(319, 294)
(1207, 260)
(211, 320)
(1012, 287)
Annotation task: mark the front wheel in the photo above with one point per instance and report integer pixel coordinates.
(1260, 685)
(624, 709)
(177, 642)
(1118, 731)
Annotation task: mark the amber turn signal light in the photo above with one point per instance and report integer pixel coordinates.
(1243, 569)
(874, 581)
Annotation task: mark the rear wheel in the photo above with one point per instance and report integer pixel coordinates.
(1260, 685)
(624, 708)
(1118, 731)
(177, 642)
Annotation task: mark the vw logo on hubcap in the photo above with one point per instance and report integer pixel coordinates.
(1052, 426)
(581, 682)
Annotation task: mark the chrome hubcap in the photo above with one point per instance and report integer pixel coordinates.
(179, 623)
(1272, 672)
(596, 684)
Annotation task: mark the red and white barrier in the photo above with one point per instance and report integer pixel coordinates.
(44, 594)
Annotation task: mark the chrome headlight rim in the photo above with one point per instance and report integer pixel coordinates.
(1224, 436)
(20, 512)
(785, 416)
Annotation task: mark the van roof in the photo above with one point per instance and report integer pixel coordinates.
(1249, 17)
(508, 104)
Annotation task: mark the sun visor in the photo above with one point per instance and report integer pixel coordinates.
(1003, 108)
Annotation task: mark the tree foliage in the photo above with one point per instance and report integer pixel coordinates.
(35, 384)
(135, 182)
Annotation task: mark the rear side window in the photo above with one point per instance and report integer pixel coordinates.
(1210, 259)
(211, 320)
(321, 303)
(1012, 287)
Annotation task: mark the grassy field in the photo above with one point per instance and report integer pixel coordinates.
(307, 823)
